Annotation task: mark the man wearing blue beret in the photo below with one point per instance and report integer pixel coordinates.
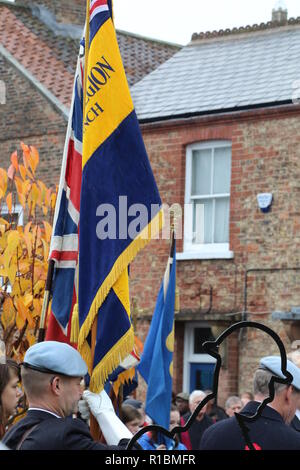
(51, 376)
(271, 431)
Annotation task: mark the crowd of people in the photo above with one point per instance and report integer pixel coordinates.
(183, 405)
(51, 377)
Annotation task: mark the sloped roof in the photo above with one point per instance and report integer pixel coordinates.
(222, 73)
(48, 50)
(36, 54)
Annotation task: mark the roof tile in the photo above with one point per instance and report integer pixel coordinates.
(35, 55)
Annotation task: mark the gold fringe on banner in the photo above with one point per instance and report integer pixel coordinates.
(125, 345)
(123, 378)
(75, 325)
(111, 361)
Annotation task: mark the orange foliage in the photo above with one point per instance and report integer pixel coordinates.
(24, 249)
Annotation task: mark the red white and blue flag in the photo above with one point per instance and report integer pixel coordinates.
(64, 243)
(97, 6)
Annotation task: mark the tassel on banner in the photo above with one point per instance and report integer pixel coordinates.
(75, 325)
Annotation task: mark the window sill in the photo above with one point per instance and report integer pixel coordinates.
(189, 255)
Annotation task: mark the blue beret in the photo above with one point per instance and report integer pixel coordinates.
(53, 356)
(273, 364)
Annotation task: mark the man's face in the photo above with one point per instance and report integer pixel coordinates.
(182, 405)
(71, 394)
(235, 408)
(193, 405)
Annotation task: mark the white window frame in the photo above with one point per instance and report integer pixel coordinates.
(188, 355)
(200, 250)
(17, 209)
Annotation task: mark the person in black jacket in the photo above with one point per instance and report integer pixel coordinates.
(191, 438)
(271, 431)
(51, 376)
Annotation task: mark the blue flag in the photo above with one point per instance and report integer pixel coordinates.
(156, 365)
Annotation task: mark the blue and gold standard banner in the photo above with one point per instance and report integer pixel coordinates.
(120, 207)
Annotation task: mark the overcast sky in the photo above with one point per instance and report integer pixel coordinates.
(177, 20)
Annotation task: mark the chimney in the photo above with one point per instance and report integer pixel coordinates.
(279, 12)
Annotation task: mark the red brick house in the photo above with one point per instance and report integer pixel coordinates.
(221, 123)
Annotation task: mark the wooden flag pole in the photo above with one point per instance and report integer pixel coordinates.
(172, 234)
(46, 300)
(94, 426)
(120, 399)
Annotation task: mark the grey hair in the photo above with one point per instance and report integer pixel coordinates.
(196, 394)
(261, 383)
(231, 401)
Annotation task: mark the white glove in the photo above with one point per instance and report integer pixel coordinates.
(84, 410)
(102, 408)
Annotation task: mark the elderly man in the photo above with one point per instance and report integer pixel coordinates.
(191, 438)
(233, 405)
(271, 431)
(51, 375)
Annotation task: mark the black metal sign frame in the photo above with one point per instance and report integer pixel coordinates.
(212, 348)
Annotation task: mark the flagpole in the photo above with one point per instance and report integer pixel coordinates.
(46, 300)
(172, 234)
(94, 426)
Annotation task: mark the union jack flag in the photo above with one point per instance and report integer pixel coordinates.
(64, 243)
(97, 6)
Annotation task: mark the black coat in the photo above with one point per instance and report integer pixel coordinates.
(295, 424)
(269, 432)
(196, 430)
(52, 433)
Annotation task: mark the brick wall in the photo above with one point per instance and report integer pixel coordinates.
(228, 380)
(29, 117)
(265, 158)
